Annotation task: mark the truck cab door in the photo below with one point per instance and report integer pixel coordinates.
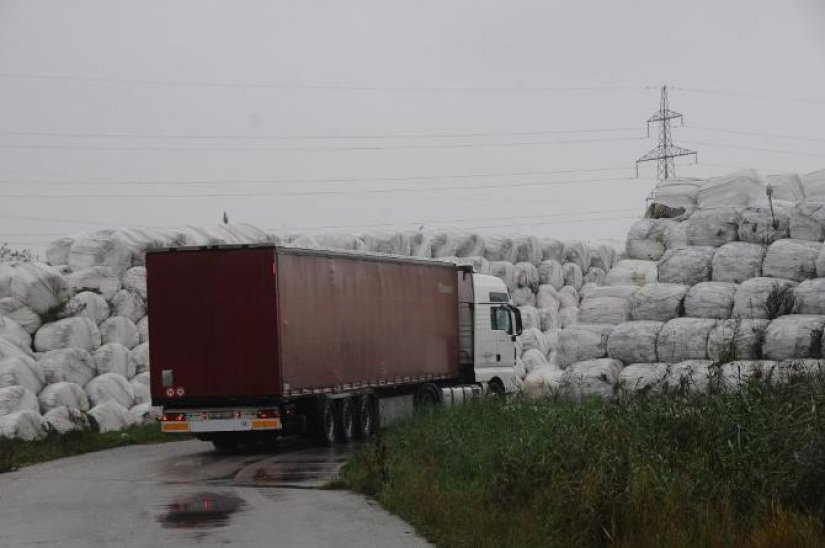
(494, 330)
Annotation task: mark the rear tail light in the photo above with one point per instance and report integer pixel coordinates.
(269, 413)
(173, 417)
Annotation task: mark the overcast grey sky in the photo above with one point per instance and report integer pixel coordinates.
(499, 116)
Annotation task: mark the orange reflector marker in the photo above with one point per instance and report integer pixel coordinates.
(174, 426)
(265, 424)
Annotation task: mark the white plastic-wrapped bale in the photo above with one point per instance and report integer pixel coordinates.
(542, 382)
(67, 333)
(690, 265)
(420, 244)
(143, 329)
(551, 250)
(103, 248)
(674, 198)
(527, 275)
(111, 416)
(594, 275)
(785, 187)
(737, 340)
(505, 271)
(547, 297)
(499, 248)
(809, 297)
(37, 285)
(134, 280)
(738, 261)
(658, 302)
(529, 317)
(128, 305)
(791, 370)
(140, 354)
(66, 419)
(89, 305)
(141, 414)
(23, 425)
(619, 291)
(577, 344)
(587, 289)
(712, 300)
(140, 386)
(737, 374)
(573, 276)
(114, 358)
(634, 342)
(118, 329)
(523, 296)
(10, 350)
(647, 239)
(684, 339)
(551, 273)
(57, 252)
(676, 236)
(644, 378)
(242, 233)
(813, 184)
(604, 310)
(603, 256)
(807, 220)
(20, 313)
(15, 334)
(100, 279)
(632, 272)
(533, 338)
(761, 225)
(67, 365)
(549, 318)
(791, 260)
(59, 394)
(593, 378)
(17, 398)
(532, 359)
(110, 386)
(743, 188)
(794, 336)
(568, 297)
(691, 375)
(396, 243)
(578, 252)
(568, 317)
(21, 371)
(763, 298)
(345, 242)
(458, 244)
(529, 249)
(713, 227)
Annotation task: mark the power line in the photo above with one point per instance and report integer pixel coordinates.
(757, 149)
(749, 95)
(312, 87)
(318, 149)
(74, 221)
(757, 134)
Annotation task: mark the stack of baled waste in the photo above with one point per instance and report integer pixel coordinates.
(74, 337)
(723, 280)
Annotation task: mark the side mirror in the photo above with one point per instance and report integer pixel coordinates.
(518, 323)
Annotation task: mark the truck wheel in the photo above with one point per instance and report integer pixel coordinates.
(496, 389)
(325, 422)
(366, 418)
(427, 396)
(226, 442)
(346, 420)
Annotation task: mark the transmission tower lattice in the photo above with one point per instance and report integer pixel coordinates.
(666, 152)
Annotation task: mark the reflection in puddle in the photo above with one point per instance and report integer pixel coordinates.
(205, 509)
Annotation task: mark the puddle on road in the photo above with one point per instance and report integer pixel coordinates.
(201, 510)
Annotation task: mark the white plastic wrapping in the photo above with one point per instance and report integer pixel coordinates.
(791, 260)
(743, 188)
(807, 220)
(603, 256)
(523, 296)
(505, 271)
(527, 275)
(737, 340)
(713, 227)
(134, 280)
(551, 273)
(690, 265)
(65, 419)
(809, 297)
(634, 342)
(738, 261)
(23, 425)
(587, 289)
(15, 334)
(114, 358)
(644, 378)
(684, 339)
(10, 350)
(68, 364)
(57, 252)
(737, 374)
(568, 297)
(143, 329)
(110, 386)
(498, 248)
(118, 329)
(578, 344)
(760, 225)
(593, 378)
(533, 338)
(67, 333)
(529, 317)
(790, 370)
(67, 394)
(658, 302)
(111, 416)
(763, 298)
(140, 386)
(21, 371)
(128, 304)
(679, 195)
(103, 248)
(89, 305)
(690, 375)
(397, 243)
(594, 275)
(632, 272)
(712, 300)
(140, 354)
(578, 252)
(17, 398)
(786, 187)
(551, 250)
(604, 310)
(542, 382)
(647, 239)
(621, 291)
(533, 358)
(528, 249)
(100, 279)
(794, 336)
(677, 237)
(549, 318)
(36, 285)
(141, 414)
(568, 317)
(548, 297)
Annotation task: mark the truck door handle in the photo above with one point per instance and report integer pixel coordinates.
(498, 357)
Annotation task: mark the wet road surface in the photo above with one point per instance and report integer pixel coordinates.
(185, 494)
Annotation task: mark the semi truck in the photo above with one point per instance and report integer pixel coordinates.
(250, 342)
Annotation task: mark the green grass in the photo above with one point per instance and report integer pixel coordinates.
(17, 453)
(744, 469)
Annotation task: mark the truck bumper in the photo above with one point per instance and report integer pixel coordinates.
(199, 421)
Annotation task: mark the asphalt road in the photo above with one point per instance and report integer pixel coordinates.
(185, 494)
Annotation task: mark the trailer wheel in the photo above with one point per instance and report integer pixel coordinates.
(325, 422)
(496, 389)
(427, 396)
(366, 417)
(346, 420)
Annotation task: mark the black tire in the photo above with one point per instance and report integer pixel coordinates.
(345, 419)
(427, 396)
(365, 413)
(495, 389)
(225, 442)
(325, 422)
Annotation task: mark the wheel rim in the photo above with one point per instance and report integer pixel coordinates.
(365, 418)
(329, 423)
(346, 420)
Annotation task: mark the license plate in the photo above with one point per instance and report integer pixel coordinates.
(221, 415)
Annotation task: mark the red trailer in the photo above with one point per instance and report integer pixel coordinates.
(250, 339)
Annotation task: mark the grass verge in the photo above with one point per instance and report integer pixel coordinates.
(725, 469)
(17, 453)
